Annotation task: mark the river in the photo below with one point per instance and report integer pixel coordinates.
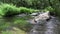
(48, 27)
(51, 26)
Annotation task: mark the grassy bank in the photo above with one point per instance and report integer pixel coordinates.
(8, 10)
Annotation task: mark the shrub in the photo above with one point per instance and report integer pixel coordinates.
(27, 10)
(49, 9)
(8, 10)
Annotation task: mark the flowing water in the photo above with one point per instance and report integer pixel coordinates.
(45, 27)
(48, 27)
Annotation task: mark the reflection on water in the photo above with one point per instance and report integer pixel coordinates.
(50, 27)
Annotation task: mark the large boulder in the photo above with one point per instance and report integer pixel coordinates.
(42, 17)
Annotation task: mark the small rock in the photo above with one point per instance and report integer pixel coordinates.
(34, 14)
(21, 15)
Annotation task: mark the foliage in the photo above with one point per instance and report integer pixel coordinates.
(5, 8)
(36, 4)
(14, 7)
(49, 8)
(10, 10)
(26, 10)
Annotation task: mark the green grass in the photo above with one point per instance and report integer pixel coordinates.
(8, 10)
(22, 23)
(19, 23)
(3, 24)
(15, 31)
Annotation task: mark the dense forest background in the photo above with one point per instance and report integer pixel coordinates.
(35, 4)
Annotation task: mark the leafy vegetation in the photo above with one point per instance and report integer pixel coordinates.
(36, 4)
(10, 10)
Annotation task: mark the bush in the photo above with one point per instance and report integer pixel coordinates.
(49, 9)
(27, 10)
(8, 10)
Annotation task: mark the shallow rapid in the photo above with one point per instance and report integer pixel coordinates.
(46, 27)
